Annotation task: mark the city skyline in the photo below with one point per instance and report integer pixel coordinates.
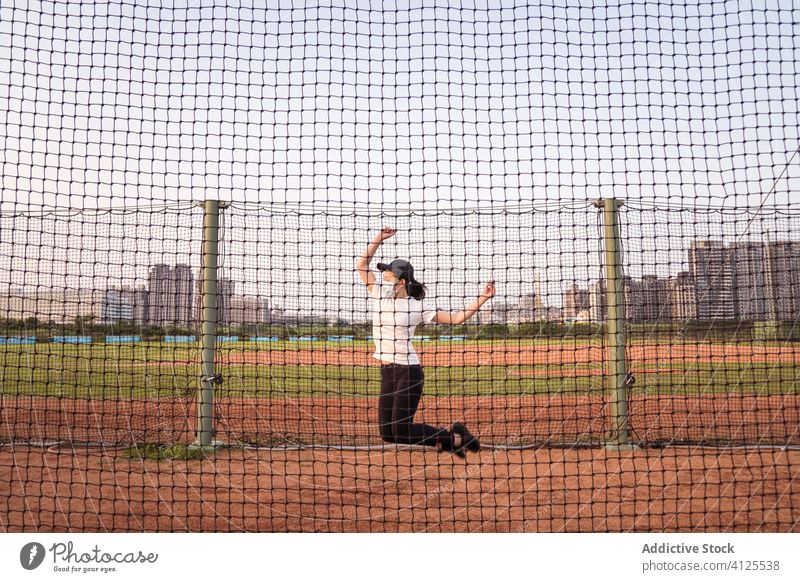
(286, 253)
(744, 280)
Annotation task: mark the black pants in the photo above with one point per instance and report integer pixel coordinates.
(401, 389)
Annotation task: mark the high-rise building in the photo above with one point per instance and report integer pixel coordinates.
(530, 307)
(246, 309)
(783, 271)
(712, 267)
(117, 306)
(184, 295)
(652, 298)
(226, 290)
(747, 280)
(681, 297)
(752, 287)
(575, 301)
(160, 284)
(632, 300)
(170, 297)
(225, 293)
(140, 305)
(266, 310)
(598, 305)
(125, 304)
(630, 307)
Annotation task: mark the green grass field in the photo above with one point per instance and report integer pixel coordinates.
(129, 371)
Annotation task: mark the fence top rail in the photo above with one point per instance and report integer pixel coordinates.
(27, 209)
(10, 210)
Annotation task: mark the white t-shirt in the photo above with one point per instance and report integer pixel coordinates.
(394, 322)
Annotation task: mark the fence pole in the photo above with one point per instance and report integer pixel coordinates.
(208, 376)
(618, 375)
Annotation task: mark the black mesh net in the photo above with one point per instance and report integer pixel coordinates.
(622, 173)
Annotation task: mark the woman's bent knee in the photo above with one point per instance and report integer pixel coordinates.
(387, 434)
(402, 432)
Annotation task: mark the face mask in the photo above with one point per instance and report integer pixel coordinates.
(391, 291)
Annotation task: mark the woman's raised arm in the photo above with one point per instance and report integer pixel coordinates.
(362, 266)
(459, 317)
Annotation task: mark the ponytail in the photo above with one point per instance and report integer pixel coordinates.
(416, 289)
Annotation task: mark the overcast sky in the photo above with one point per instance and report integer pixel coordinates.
(426, 105)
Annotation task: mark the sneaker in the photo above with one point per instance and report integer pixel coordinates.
(449, 448)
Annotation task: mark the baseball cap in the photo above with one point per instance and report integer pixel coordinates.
(400, 269)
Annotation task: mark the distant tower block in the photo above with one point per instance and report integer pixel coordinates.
(537, 300)
(530, 305)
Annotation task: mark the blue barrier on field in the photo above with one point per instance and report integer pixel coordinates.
(18, 340)
(264, 338)
(72, 339)
(302, 338)
(452, 338)
(227, 338)
(340, 338)
(179, 339)
(425, 338)
(123, 339)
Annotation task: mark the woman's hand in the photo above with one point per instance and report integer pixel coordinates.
(384, 234)
(488, 291)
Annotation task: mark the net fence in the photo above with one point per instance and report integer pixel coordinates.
(103, 322)
(94, 302)
(616, 367)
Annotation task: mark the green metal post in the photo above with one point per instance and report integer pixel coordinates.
(205, 395)
(618, 374)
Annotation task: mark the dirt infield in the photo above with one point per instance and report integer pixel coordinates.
(338, 420)
(548, 490)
